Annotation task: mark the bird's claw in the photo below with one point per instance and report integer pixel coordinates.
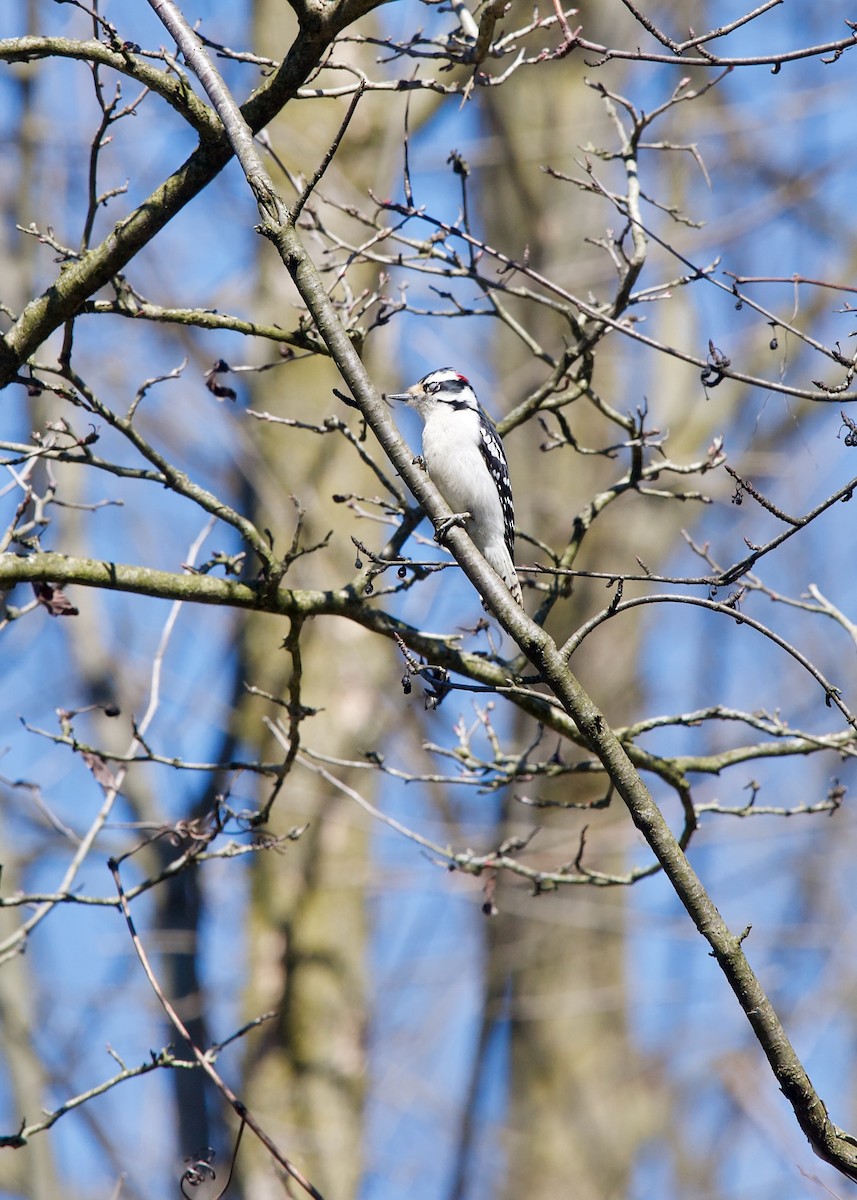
(444, 527)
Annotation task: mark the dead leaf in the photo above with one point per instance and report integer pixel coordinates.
(55, 601)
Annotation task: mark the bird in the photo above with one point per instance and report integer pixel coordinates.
(466, 462)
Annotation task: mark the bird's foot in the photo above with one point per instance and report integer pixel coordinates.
(444, 527)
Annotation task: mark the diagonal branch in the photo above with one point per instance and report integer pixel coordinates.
(79, 280)
(830, 1143)
(203, 1058)
(168, 86)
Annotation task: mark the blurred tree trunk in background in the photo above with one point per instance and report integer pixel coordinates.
(559, 974)
(562, 962)
(33, 1176)
(306, 1070)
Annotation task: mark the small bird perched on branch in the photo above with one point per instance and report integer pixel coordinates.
(466, 462)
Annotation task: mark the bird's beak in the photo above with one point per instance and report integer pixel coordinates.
(406, 396)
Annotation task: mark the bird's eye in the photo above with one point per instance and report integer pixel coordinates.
(432, 387)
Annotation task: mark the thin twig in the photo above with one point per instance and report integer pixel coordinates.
(204, 1058)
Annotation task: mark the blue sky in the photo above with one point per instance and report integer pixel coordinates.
(428, 948)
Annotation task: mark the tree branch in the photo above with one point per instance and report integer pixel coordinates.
(837, 1147)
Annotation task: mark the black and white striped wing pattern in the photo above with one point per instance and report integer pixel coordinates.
(495, 459)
